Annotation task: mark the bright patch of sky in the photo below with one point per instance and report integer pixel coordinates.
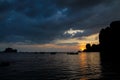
(73, 32)
(93, 39)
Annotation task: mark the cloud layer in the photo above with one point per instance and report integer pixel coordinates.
(44, 21)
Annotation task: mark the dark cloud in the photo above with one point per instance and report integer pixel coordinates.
(78, 4)
(42, 21)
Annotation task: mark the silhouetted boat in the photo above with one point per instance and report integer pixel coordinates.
(72, 53)
(53, 53)
(4, 64)
(42, 52)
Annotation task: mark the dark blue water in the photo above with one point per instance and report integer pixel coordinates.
(60, 66)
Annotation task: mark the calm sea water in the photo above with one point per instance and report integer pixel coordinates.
(60, 66)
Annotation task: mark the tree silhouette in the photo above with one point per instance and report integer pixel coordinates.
(93, 48)
(88, 46)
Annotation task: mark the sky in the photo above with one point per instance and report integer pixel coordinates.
(54, 25)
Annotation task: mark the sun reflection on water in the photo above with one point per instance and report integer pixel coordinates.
(83, 79)
(90, 66)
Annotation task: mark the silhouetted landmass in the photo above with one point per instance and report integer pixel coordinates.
(109, 43)
(108, 39)
(10, 50)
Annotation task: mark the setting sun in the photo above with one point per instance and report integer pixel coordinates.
(82, 47)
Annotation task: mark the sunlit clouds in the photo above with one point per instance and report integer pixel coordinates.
(73, 32)
(85, 39)
(79, 42)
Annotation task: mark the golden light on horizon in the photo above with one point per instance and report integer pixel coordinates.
(83, 79)
(82, 47)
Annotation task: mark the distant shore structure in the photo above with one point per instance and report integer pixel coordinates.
(10, 50)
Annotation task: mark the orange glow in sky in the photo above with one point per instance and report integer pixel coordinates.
(82, 47)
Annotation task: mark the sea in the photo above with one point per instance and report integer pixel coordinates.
(58, 66)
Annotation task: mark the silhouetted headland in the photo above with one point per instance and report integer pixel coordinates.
(108, 39)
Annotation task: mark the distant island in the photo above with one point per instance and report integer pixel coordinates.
(108, 39)
(10, 50)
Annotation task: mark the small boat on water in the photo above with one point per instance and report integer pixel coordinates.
(53, 53)
(4, 64)
(72, 53)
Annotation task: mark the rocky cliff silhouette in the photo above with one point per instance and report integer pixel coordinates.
(109, 43)
(108, 39)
